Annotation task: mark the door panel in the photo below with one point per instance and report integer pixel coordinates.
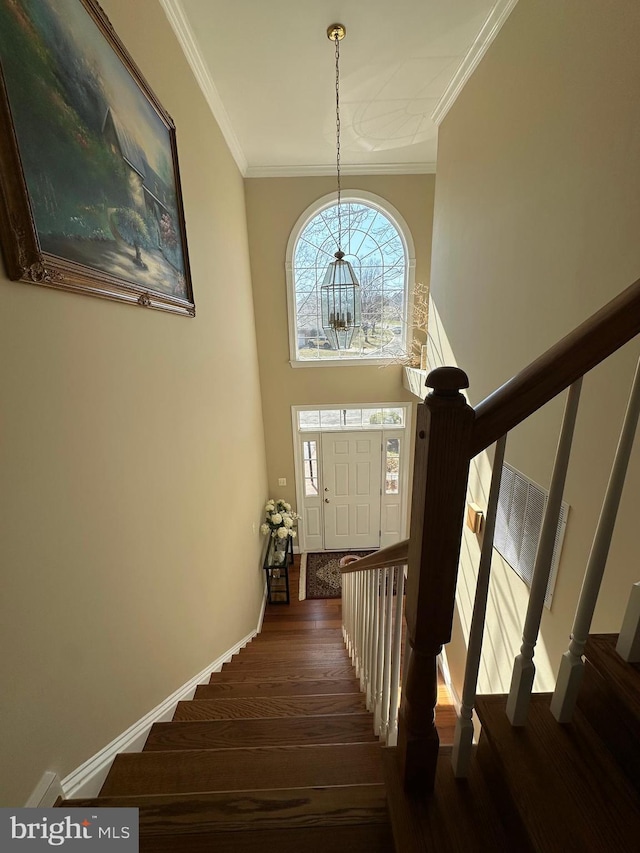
(312, 520)
(341, 487)
(352, 466)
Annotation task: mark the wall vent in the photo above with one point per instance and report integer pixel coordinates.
(521, 506)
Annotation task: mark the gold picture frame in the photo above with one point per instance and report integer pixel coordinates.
(90, 196)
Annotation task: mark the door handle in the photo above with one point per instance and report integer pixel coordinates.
(326, 500)
(326, 488)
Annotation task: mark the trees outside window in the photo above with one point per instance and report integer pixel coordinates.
(376, 247)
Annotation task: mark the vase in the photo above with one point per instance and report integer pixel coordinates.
(279, 552)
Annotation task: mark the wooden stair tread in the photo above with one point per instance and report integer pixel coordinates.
(243, 769)
(312, 818)
(284, 673)
(283, 731)
(311, 783)
(610, 700)
(338, 805)
(269, 706)
(459, 816)
(623, 678)
(258, 647)
(299, 627)
(315, 634)
(359, 838)
(302, 687)
(302, 658)
(363, 838)
(565, 785)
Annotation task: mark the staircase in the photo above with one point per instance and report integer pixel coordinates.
(542, 788)
(571, 785)
(276, 753)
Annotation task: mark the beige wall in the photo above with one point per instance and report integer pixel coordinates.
(133, 469)
(536, 225)
(273, 208)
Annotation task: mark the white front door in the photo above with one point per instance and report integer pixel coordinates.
(351, 463)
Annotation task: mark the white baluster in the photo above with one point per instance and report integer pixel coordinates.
(364, 672)
(523, 667)
(382, 591)
(463, 738)
(368, 606)
(362, 628)
(386, 681)
(353, 613)
(356, 632)
(345, 610)
(371, 618)
(628, 646)
(373, 645)
(572, 664)
(353, 617)
(396, 657)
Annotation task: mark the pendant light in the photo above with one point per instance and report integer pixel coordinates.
(340, 291)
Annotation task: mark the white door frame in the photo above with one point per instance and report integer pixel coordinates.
(406, 460)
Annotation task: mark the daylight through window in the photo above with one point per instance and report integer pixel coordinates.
(375, 248)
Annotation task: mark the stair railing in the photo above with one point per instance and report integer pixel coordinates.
(449, 433)
(372, 624)
(572, 664)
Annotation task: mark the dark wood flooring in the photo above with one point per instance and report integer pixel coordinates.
(309, 617)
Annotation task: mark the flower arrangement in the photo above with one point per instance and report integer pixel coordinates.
(279, 520)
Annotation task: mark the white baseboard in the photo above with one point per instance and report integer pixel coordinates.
(87, 780)
(264, 607)
(46, 792)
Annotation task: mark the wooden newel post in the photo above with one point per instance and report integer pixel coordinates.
(441, 470)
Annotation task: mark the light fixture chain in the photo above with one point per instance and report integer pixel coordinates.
(337, 41)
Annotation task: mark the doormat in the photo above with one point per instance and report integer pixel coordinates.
(320, 573)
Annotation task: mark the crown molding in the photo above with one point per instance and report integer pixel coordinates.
(492, 26)
(180, 25)
(358, 169)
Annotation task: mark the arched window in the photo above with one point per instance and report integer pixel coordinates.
(376, 240)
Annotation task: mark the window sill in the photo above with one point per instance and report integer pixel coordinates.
(414, 380)
(344, 362)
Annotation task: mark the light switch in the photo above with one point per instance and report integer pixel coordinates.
(282, 481)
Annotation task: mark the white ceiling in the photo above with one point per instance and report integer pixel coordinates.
(267, 70)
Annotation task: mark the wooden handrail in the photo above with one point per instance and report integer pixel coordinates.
(560, 366)
(392, 555)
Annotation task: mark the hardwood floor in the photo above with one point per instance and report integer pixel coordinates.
(311, 616)
(276, 753)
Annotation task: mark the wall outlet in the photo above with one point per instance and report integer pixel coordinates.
(282, 481)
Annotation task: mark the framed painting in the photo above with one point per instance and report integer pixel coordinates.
(90, 197)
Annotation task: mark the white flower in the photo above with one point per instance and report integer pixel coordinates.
(276, 518)
(282, 532)
(270, 506)
(293, 534)
(287, 521)
(264, 528)
(286, 506)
